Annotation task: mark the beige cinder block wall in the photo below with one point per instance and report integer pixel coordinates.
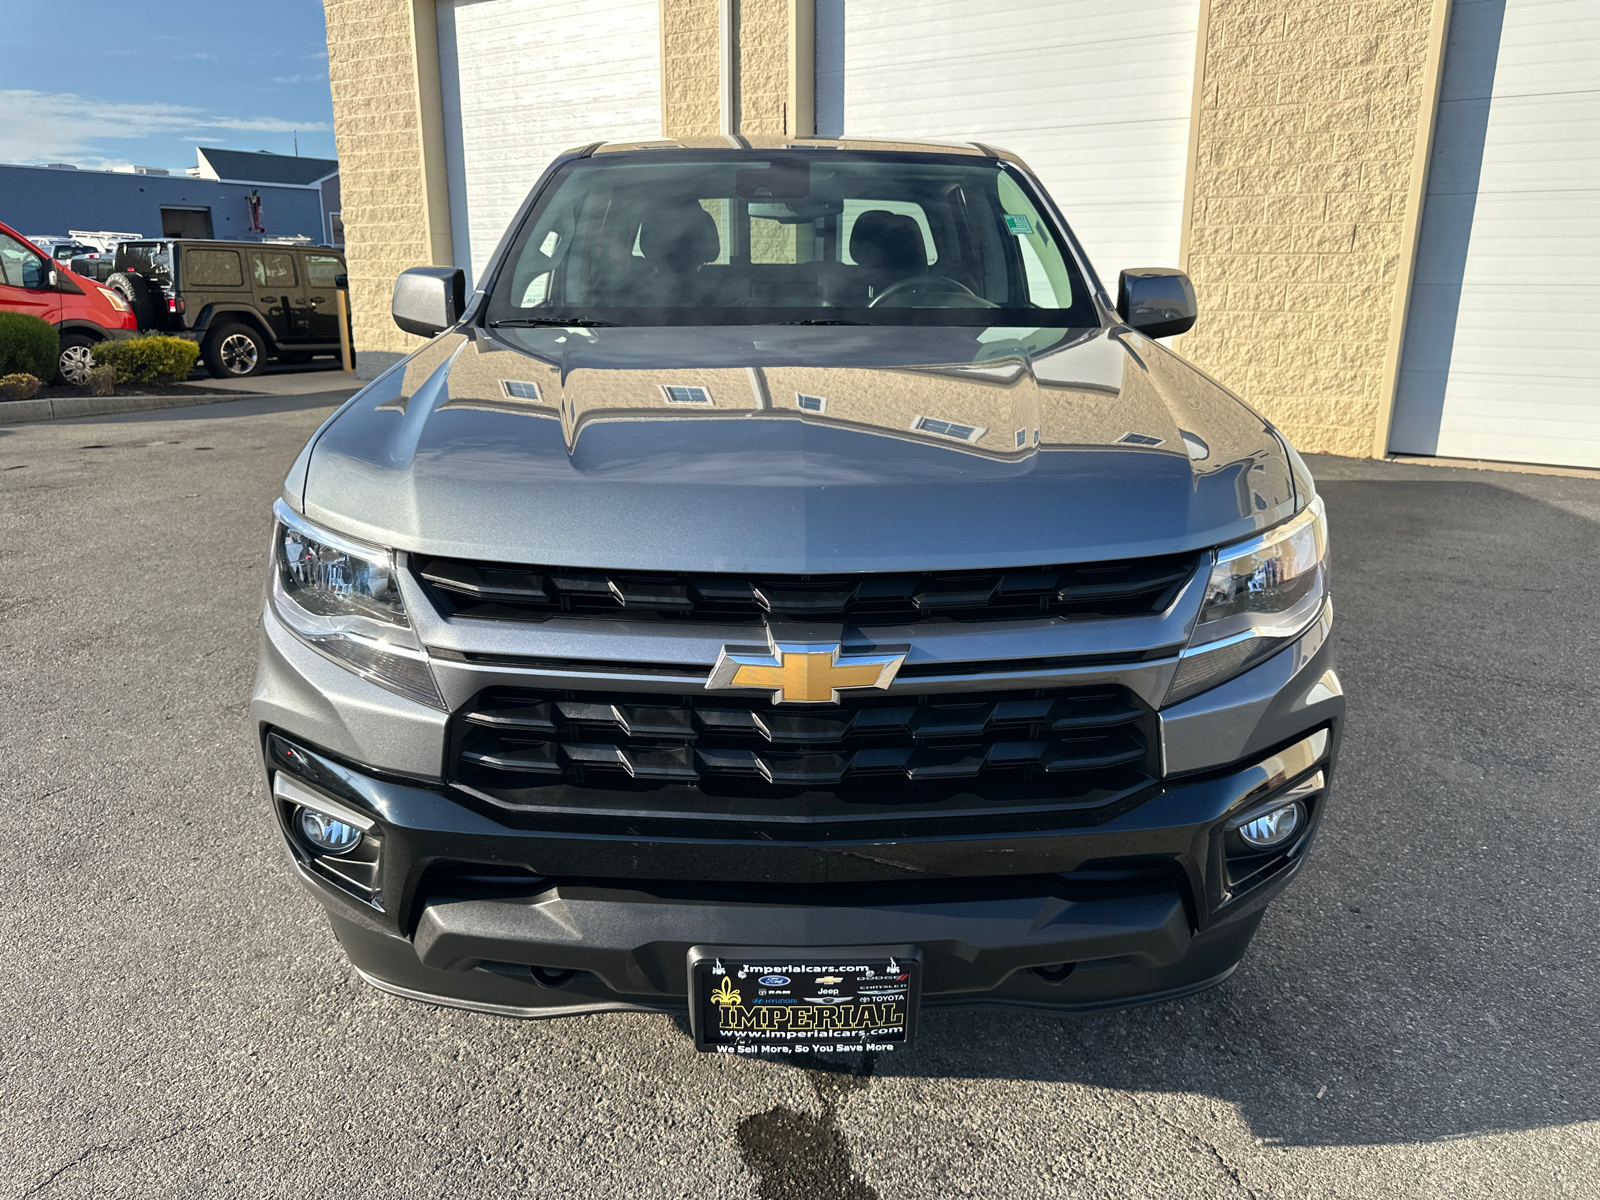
(764, 67)
(1310, 140)
(690, 68)
(765, 36)
(384, 73)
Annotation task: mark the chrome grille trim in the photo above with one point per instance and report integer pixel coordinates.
(460, 677)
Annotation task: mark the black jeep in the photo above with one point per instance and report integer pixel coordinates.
(243, 301)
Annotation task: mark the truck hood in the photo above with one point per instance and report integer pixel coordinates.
(805, 450)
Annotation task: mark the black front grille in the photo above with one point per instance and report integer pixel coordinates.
(730, 755)
(497, 591)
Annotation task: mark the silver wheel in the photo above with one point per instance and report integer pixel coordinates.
(238, 353)
(76, 363)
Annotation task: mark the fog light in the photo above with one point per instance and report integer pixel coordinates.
(1272, 828)
(327, 833)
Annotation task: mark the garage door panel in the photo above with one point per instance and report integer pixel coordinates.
(1548, 48)
(1098, 106)
(1482, 425)
(1556, 133)
(1038, 24)
(523, 80)
(980, 88)
(1499, 331)
(1457, 148)
(1502, 349)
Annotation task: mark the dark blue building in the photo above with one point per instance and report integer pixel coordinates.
(231, 193)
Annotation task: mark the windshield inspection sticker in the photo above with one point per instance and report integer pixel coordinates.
(785, 1007)
(1019, 224)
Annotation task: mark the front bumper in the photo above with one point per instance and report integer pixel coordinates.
(581, 916)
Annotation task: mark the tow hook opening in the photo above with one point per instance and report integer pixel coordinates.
(552, 977)
(1054, 973)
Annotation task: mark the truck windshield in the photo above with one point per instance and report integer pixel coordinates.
(804, 237)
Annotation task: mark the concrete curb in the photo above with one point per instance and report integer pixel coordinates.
(16, 412)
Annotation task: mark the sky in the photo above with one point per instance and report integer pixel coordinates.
(102, 83)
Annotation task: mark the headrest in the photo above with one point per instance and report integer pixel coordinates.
(679, 235)
(888, 241)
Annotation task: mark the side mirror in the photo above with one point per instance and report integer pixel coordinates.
(1157, 302)
(428, 300)
(342, 281)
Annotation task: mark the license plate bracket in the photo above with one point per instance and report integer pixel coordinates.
(786, 1001)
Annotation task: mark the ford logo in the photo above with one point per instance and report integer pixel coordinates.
(774, 980)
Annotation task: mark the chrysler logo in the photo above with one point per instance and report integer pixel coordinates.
(802, 673)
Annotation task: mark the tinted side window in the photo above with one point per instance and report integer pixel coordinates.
(273, 269)
(21, 267)
(323, 269)
(212, 268)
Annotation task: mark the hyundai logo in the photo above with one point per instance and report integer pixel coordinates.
(774, 980)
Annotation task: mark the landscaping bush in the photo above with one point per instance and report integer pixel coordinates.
(18, 387)
(149, 359)
(28, 345)
(102, 380)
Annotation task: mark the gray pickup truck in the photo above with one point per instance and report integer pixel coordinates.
(791, 592)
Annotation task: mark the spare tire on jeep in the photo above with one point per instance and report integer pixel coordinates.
(136, 291)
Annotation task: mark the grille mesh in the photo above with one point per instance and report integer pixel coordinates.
(1082, 746)
(497, 591)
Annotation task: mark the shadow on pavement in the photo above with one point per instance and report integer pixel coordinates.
(330, 366)
(1432, 973)
(245, 406)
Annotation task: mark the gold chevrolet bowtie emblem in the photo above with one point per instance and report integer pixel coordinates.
(802, 673)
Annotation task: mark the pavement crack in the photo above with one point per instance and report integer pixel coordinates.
(1206, 1144)
(798, 1156)
(103, 1148)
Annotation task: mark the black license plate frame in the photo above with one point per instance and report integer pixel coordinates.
(853, 998)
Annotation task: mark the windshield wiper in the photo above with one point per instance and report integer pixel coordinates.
(813, 321)
(540, 322)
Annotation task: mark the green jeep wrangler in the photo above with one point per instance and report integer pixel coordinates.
(244, 302)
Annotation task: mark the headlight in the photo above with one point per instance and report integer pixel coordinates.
(117, 302)
(1262, 594)
(339, 596)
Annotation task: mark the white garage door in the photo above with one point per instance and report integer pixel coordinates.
(523, 80)
(1093, 96)
(1502, 350)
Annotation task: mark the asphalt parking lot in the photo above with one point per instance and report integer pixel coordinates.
(1417, 1017)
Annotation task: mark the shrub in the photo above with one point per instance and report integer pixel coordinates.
(28, 345)
(102, 380)
(18, 387)
(149, 359)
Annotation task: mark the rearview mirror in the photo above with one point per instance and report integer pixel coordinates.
(1156, 301)
(428, 300)
(777, 181)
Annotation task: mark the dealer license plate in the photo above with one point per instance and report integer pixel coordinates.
(761, 1001)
